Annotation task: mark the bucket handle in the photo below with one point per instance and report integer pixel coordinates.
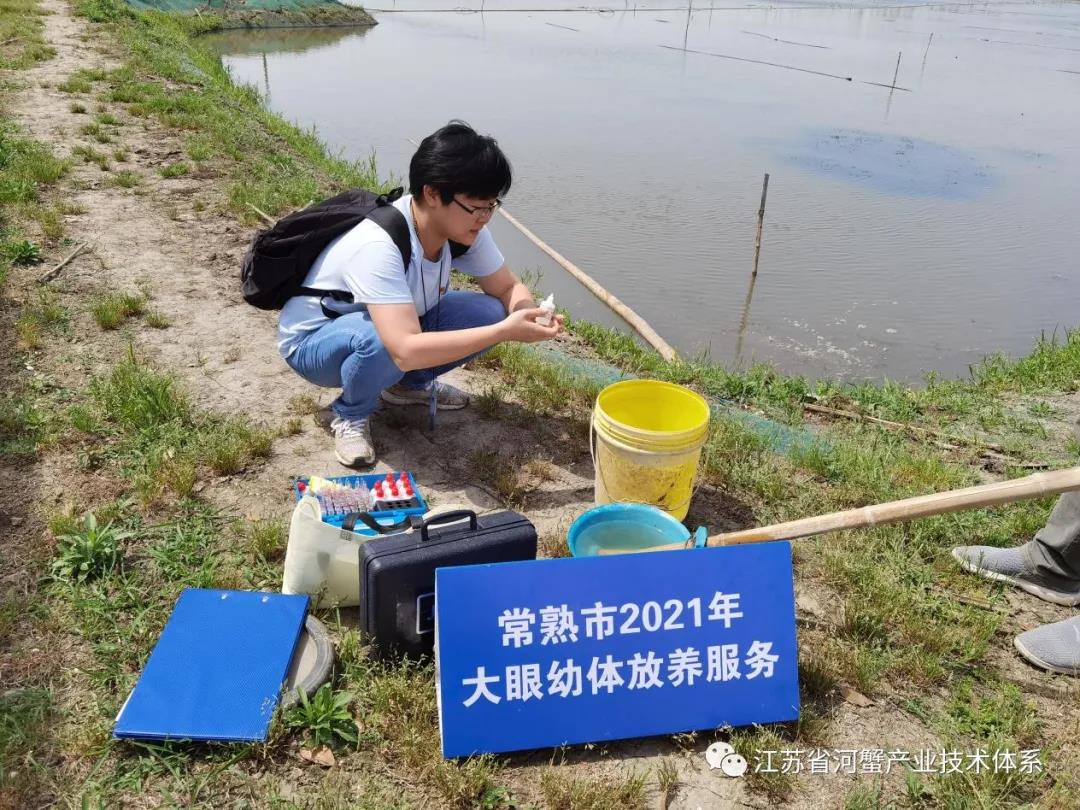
(596, 469)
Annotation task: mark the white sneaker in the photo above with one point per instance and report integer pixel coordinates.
(353, 445)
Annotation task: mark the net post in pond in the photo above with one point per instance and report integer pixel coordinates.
(760, 223)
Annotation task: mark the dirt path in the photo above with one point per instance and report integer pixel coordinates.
(167, 238)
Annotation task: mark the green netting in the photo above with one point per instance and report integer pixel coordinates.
(191, 6)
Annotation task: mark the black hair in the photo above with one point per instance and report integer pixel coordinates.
(455, 159)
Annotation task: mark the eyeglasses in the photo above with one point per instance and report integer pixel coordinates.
(479, 211)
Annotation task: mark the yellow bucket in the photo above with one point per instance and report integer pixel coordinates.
(648, 440)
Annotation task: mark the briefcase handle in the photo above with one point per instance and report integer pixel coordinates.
(351, 519)
(448, 517)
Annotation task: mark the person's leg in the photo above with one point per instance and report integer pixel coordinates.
(1047, 566)
(1055, 551)
(347, 353)
(459, 309)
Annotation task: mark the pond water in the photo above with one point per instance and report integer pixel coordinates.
(906, 230)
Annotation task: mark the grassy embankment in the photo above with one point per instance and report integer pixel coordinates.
(899, 632)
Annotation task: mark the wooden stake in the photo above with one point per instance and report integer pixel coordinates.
(897, 71)
(1033, 486)
(760, 223)
(51, 274)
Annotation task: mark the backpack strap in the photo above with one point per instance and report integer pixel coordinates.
(394, 223)
(391, 220)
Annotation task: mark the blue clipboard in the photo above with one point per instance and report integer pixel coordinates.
(217, 669)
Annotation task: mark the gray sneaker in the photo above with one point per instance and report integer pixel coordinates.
(1011, 565)
(447, 397)
(352, 442)
(1054, 647)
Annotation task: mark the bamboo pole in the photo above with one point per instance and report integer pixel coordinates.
(760, 223)
(897, 71)
(939, 503)
(617, 306)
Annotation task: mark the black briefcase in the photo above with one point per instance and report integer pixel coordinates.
(397, 573)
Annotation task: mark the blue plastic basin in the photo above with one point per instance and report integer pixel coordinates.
(623, 526)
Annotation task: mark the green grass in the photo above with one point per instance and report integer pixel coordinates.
(125, 178)
(565, 792)
(160, 442)
(42, 314)
(90, 551)
(26, 167)
(167, 76)
(990, 718)
(48, 219)
(24, 712)
(75, 85)
(21, 33)
(91, 155)
(106, 118)
(325, 717)
(96, 131)
(23, 424)
(157, 319)
(267, 539)
(23, 252)
(110, 310)
(178, 169)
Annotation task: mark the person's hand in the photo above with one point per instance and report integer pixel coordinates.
(521, 326)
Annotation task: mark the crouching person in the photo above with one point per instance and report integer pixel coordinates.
(404, 327)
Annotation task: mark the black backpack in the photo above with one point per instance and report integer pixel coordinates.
(280, 257)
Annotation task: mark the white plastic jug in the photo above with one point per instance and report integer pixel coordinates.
(323, 561)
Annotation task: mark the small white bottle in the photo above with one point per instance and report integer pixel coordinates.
(548, 305)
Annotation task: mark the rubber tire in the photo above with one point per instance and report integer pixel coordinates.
(320, 671)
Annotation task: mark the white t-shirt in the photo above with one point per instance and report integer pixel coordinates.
(365, 261)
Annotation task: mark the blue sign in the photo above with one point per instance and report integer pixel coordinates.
(552, 652)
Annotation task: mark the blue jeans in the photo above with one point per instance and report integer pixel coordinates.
(348, 354)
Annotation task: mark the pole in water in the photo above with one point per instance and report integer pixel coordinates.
(760, 222)
(897, 71)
